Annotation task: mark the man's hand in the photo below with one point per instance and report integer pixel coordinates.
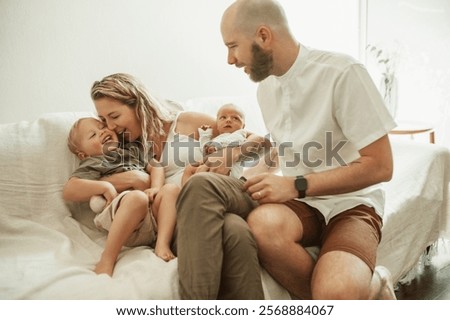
(271, 188)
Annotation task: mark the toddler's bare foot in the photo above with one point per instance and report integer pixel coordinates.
(164, 252)
(104, 267)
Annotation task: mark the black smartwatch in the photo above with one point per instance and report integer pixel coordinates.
(301, 184)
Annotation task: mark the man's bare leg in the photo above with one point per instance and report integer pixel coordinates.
(277, 231)
(340, 275)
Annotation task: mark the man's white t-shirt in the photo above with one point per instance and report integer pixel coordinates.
(320, 113)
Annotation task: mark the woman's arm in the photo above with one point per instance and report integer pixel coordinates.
(222, 161)
(254, 144)
(189, 122)
(134, 179)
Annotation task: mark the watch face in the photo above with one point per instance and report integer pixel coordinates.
(301, 184)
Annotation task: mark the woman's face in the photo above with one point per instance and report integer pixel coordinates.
(119, 117)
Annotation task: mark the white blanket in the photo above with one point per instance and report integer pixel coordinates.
(47, 254)
(48, 248)
(417, 209)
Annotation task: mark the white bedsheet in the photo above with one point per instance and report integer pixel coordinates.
(48, 249)
(47, 254)
(416, 211)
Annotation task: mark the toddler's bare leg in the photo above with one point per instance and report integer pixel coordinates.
(132, 210)
(165, 214)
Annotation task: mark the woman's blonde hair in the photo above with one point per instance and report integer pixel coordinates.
(125, 88)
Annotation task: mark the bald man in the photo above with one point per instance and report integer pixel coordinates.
(325, 112)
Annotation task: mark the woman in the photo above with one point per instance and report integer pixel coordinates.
(125, 106)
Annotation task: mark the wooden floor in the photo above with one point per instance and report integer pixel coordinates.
(432, 281)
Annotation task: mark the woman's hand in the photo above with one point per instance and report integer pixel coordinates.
(188, 172)
(134, 179)
(222, 161)
(194, 168)
(205, 127)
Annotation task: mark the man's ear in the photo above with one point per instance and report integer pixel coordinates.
(264, 36)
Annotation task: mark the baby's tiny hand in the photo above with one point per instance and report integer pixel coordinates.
(210, 149)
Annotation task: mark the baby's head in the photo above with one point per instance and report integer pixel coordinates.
(230, 118)
(89, 136)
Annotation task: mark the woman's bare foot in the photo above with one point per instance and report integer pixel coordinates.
(164, 252)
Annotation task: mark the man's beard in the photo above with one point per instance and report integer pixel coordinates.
(262, 63)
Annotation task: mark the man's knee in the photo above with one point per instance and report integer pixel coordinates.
(199, 183)
(197, 179)
(274, 226)
(262, 221)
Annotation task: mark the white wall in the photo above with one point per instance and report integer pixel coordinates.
(418, 31)
(51, 51)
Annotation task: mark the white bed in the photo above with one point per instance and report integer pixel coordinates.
(417, 209)
(48, 249)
